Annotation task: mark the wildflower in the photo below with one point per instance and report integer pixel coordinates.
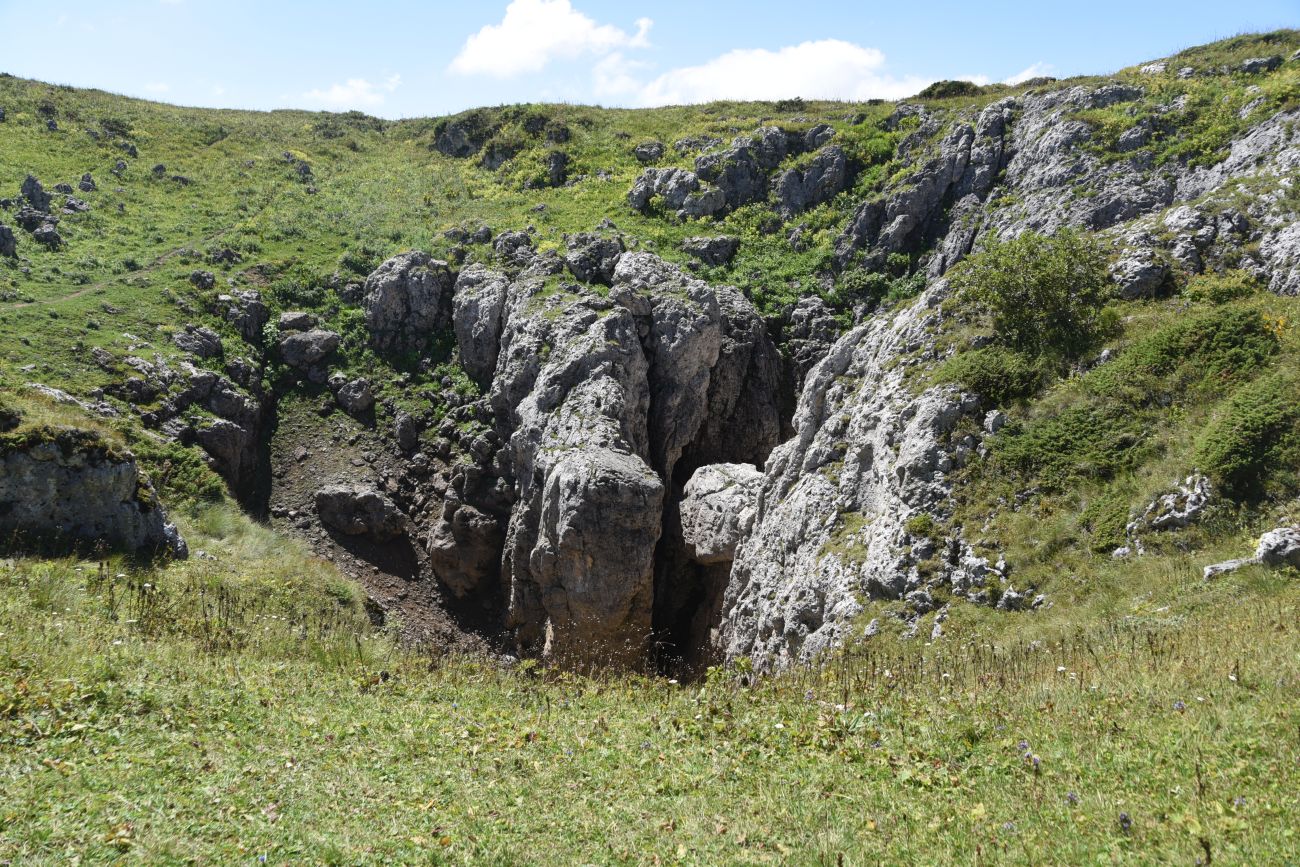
(645, 745)
(1180, 706)
(1072, 797)
(1008, 826)
(1023, 746)
(1060, 669)
(1125, 823)
(1239, 801)
(808, 695)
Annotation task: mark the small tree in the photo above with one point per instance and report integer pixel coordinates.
(1043, 293)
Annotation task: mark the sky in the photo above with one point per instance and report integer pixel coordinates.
(403, 58)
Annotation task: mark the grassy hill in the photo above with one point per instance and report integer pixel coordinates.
(242, 706)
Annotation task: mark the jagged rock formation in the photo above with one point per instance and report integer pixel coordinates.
(67, 488)
(406, 299)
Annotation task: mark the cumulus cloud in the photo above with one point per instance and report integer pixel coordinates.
(535, 32)
(354, 93)
(1037, 70)
(822, 69)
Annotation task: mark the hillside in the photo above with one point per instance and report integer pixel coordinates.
(551, 482)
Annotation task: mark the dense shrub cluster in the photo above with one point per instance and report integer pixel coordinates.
(1255, 441)
(1043, 294)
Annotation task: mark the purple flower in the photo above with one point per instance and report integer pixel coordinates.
(808, 696)
(1125, 823)
(1239, 801)
(1180, 706)
(1008, 826)
(1072, 797)
(1023, 746)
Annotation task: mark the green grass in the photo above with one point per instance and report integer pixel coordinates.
(259, 717)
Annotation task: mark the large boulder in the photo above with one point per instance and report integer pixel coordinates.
(35, 194)
(717, 510)
(8, 242)
(821, 180)
(356, 397)
(198, 339)
(68, 488)
(355, 511)
(477, 305)
(465, 551)
(304, 349)
(717, 250)
(407, 299)
(592, 258)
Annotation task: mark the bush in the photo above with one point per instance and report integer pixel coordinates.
(1256, 440)
(1083, 443)
(995, 373)
(1043, 294)
(1222, 288)
(1198, 354)
(948, 89)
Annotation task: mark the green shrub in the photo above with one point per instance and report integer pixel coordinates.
(1202, 354)
(1222, 288)
(995, 373)
(1082, 443)
(1106, 519)
(947, 89)
(1255, 442)
(1043, 294)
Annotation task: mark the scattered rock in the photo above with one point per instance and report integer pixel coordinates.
(35, 194)
(46, 234)
(649, 152)
(297, 320)
(356, 397)
(87, 183)
(200, 340)
(302, 350)
(203, 279)
(1139, 274)
(8, 241)
(715, 251)
(592, 258)
(356, 511)
(1256, 65)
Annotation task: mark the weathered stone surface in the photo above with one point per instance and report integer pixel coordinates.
(302, 349)
(477, 304)
(1280, 547)
(717, 510)
(465, 551)
(1139, 274)
(8, 241)
(717, 250)
(198, 339)
(35, 194)
(297, 320)
(407, 299)
(71, 490)
(649, 152)
(867, 455)
(591, 258)
(812, 331)
(826, 176)
(355, 397)
(354, 511)
(87, 183)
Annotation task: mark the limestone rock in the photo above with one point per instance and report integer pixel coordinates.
(355, 511)
(477, 303)
(407, 299)
(718, 510)
(303, 349)
(8, 242)
(591, 258)
(717, 250)
(465, 551)
(198, 339)
(355, 397)
(71, 490)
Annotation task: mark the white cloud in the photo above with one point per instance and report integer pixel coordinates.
(1037, 70)
(535, 32)
(157, 87)
(824, 69)
(354, 93)
(615, 75)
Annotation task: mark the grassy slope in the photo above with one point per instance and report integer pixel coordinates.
(236, 708)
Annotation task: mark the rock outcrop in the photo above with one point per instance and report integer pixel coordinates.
(67, 488)
(407, 299)
(355, 511)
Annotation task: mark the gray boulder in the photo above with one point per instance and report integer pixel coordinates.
(87, 183)
(515, 248)
(591, 258)
(203, 279)
(49, 236)
(717, 510)
(824, 178)
(407, 299)
(1280, 547)
(304, 349)
(8, 241)
(356, 511)
(198, 339)
(244, 309)
(717, 250)
(72, 490)
(35, 194)
(1257, 65)
(297, 320)
(1139, 274)
(355, 397)
(465, 551)
(812, 330)
(649, 152)
(477, 304)
(740, 172)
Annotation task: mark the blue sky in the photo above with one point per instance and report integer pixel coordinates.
(400, 58)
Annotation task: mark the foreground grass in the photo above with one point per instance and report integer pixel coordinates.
(233, 709)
